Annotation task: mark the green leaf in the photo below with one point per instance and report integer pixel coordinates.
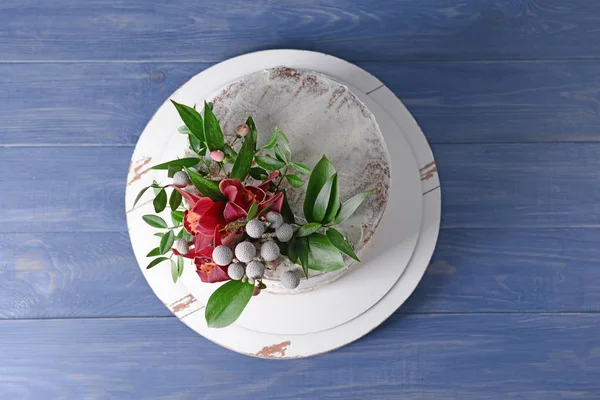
(160, 201)
(206, 187)
(269, 163)
(272, 141)
(140, 194)
(253, 132)
(252, 211)
(322, 254)
(294, 180)
(196, 145)
(166, 243)
(280, 154)
(155, 221)
(182, 162)
(174, 272)
(258, 173)
(308, 229)
(301, 168)
(175, 200)
(212, 130)
(227, 303)
(284, 140)
(286, 210)
(290, 251)
(184, 130)
(173, 169)
(179, 266)
(319, 176)
(177, 217)
(265, 210)
(154, 252)
(156, 261)
(302, 249)
(350, 205)
(160, 234)
(322, 202)
(229, 151)
(334, 202)
(192, 119)
(340, 242)
(243, 162)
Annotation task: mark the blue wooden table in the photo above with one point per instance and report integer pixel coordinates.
(506, 91)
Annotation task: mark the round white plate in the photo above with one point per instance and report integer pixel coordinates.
(250, 342)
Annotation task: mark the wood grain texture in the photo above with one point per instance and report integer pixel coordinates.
(90, 274)
(458, 102)
(464, 357)
(64, 189)
(210, 30)
(71, 275)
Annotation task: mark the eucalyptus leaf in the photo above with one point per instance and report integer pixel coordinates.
(243, 162)
(350, 205)
(174, 272)
(252, 211)
(322, 254)
(175, 200)
(160, 201)
(258, 173)
(308, 229)
(227, 303)
(192, 119)
(182, 162)
(318, 177)
(212, 130)
(294, 180)
(280, 154)
(340, 242)
(206, 187)
(140, 194)
(156, 261)
(334, 202)
(155, 221)
(322, 202)
(154, 252)
(166, 242)
(269, 163)
(301, 168)
(177, 217)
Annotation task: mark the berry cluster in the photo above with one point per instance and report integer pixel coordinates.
(249, 259)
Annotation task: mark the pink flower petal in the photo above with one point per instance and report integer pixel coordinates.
(271, 176)
(230, 188)
(276, 200)
(233, 212)
(191, 199)
(259, 194)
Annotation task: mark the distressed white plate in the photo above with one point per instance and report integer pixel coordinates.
(251, 342)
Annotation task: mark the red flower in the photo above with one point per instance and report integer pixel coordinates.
(241, 197)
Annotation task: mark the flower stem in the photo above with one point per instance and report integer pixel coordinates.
(281, 179)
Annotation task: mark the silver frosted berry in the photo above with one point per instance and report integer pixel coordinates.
(269, 251)
(255, 270)
(181, 179)
(275, 219)
(245, 252)
(255, 228)
(290, 279)
(236, 271)
(222, 255)
(181, 245)
(284, 233)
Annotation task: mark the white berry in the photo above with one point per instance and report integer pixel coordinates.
(222, 255)
(181, 179)
(275, 219)
(290, 279)
(269, 251)
(255, 228)
(284, 233)
(236, 271)
(181, 245)
(255, 270)
(245, 252)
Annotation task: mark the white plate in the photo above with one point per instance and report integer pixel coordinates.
(250, 342)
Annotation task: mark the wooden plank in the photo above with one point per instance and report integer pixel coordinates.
(464, 357)
(70, 275)
(90, 274)
(385, 29)
(65, 189)
(454, 102)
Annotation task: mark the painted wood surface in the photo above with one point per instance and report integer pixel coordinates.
(211, 30)
(433, 357)
(94, 274)
(59, 189)
(455, 102)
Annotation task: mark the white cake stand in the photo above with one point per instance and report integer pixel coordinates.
(273, 341)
